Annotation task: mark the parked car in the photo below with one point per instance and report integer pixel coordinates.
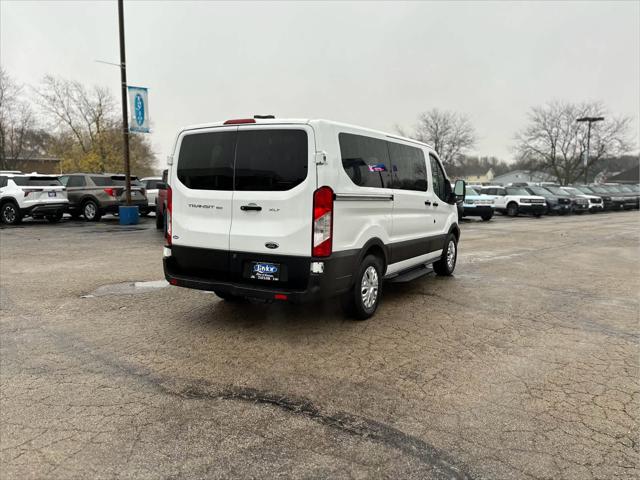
(579, 204)
(93, 194)
(595, 202)
(38, 196)
(630, 194)
(607, 197)
(557, 204)
(513, 201)
(320, 209)
(150, 185)
(161, 200)
(621, 200)
(477, 204)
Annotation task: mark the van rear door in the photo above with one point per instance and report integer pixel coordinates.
(275, 177)
(202, 190)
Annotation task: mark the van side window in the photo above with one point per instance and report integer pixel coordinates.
(3, 182)
(409, 167)
(365, 160)
(439, 179)
(206, 160)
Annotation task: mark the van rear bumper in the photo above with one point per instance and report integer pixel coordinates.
(336, 278)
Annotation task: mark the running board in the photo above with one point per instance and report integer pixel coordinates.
(411, 274)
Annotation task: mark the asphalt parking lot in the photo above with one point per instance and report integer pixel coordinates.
(522, 365)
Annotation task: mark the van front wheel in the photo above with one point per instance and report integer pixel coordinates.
(361, 302)
(447, 263)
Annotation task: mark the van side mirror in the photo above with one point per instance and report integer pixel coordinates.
(459, 190)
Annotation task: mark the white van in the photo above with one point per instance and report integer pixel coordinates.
(298, 210)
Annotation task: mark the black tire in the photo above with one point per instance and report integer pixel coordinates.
(446, 265)
(159, 221)
(91, 211)
(55, 218)
(228, 297)
(486, 218)
(356, 301)
(537, 215)
(512, 209)
(144, 212)
(75, 214)
(10, 213)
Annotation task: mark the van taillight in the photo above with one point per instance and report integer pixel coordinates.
(167, 215)
(322, 222)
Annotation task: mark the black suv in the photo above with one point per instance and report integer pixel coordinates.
(555, 203)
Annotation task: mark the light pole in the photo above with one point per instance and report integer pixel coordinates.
(125, 118)
(589, 120)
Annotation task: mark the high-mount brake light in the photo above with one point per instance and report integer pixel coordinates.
(167, 214)
(322, 222)
(239, 121)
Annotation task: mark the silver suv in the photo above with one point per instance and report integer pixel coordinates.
(93, 194)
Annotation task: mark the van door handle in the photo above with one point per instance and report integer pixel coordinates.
(427, 202)
(435, 204)
(250, 207)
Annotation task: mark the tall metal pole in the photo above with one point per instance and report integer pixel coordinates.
(586, 162)
(589, 120)
(125, 116)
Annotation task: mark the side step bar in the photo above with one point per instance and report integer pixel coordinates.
(412, 274)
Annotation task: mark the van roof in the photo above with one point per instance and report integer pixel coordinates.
(305, 121)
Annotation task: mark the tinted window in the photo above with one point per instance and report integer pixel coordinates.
(37, 181)
(73, 181)
(365, 160)
(101, 181)
(151, 184)
(409, 168)
(206, 160)
(268, 160)
(441, 185)
(3, 182)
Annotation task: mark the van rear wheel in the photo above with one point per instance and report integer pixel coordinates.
(361, 302)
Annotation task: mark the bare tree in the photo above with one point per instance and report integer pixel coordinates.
(87, 115)
(450, 134)
(16, 120)
(555, 142)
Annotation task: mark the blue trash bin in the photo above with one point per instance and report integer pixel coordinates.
(128, 215)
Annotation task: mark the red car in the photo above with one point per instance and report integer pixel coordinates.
(161, 201)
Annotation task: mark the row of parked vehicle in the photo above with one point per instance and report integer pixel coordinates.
(88, 195)
(546, 199)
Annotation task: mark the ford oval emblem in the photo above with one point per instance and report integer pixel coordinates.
(271, 245)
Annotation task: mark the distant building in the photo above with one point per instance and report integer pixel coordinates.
(37, 164)
(631, 175)
(521, 176)
(478, 176)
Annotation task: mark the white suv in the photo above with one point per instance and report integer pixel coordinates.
(298, 210)
(38, 196)
(516, 200)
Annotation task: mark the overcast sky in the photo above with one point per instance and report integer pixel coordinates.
(370, 64)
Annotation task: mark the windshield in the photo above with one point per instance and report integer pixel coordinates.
(539, 191)
(611, 188)
(37, 181)
(517, 191)
(624, 188)
(586, 190)
(599, 190)
(470, 191)
(558, 191)
(573, 191)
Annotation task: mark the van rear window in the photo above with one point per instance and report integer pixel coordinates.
(271, 159)
(248, 160)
